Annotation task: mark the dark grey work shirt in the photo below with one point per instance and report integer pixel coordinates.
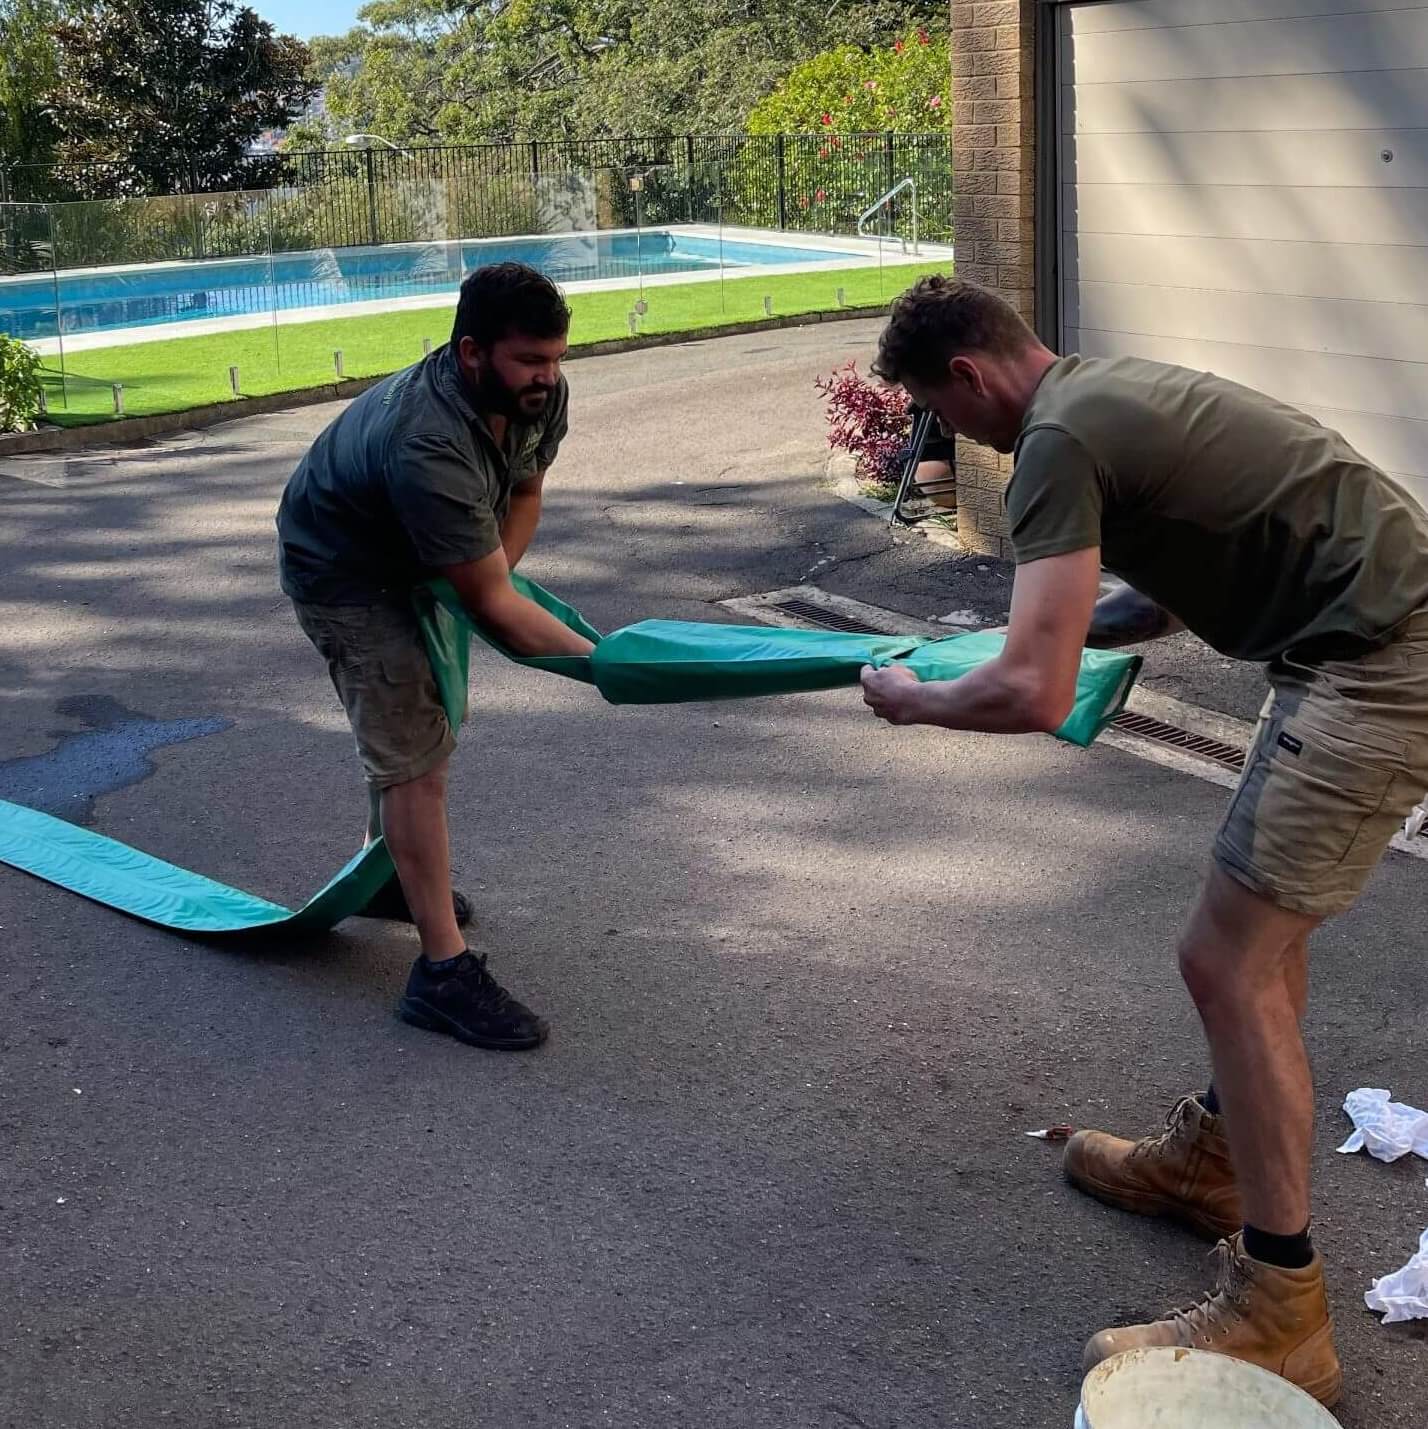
(408, 478)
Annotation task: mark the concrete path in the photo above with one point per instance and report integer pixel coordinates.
(810, 978)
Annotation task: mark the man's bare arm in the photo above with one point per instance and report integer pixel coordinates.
(1031, 685)
(519, 527)
(487, 593)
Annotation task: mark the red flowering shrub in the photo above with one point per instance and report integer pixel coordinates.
(867, 419)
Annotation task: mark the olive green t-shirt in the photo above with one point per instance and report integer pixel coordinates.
(1258, 528)
(406, 479)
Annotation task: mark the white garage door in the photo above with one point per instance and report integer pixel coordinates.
(1244, 188)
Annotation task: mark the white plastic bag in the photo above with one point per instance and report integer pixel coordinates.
(1385, 1129)
(1404, 1294)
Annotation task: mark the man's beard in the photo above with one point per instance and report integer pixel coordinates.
(514, 403)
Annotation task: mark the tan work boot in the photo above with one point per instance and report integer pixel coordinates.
(1272, 1317)
(1183, 1172)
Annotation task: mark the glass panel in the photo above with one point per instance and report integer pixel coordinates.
(138, 276)
(29, 302)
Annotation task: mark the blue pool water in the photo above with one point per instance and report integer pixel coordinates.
(105, 299)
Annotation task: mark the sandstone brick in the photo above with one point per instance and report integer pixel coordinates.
(994, 62)
(997, 12)
(1011, 86)
(1012, 230)
(979, 38)
(962, 113)
(999, 251)
(976, 183)
(1023, 183)
(1008, 207)
(976, 86)
(974, 272)
(1016, 275)
(995, 111)
(1017, 136)
(971, 137)
(1010, 37)
(1010, 157)
(972, 230)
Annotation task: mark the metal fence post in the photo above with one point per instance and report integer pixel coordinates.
(782, 184)
(372, 231)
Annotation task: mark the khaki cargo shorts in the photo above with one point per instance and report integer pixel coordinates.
(1339, 761)
(379, 667)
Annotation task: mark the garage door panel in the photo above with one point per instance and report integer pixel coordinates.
(1398, 444)
(1226, 206)
(1306, 158)
(1396, 332)
(1316, 45)
(1159, 14)
(1415, 486)
(1377, 100)
(1305, 379)
(1311, 270)
(1322, 215)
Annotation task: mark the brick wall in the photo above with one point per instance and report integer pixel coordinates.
(993, 138)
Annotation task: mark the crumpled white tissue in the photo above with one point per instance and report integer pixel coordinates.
(1417, 821)
(1404, 1294)
(1386, 1129)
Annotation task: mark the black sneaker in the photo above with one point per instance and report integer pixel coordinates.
(391, 903)
(470, 1005)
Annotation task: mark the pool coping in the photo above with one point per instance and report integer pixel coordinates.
(842, 253)
(118, 431)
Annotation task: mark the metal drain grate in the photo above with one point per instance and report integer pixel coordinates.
(828, 619)
(1221, 753)
(1227, 756)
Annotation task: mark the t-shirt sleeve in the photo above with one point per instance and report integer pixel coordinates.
(439, 498)
(1054, 500)
(556, 425)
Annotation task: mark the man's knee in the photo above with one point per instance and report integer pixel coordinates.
(430, 783)
(1237, 944)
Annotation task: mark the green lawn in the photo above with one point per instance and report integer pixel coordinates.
(189, 372)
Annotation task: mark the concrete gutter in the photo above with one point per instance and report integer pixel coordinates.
(120, 431)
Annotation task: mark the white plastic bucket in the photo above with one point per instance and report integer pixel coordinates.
(1190, 1389)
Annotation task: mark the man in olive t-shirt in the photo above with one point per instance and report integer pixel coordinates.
(437, 471)
(1268, 536)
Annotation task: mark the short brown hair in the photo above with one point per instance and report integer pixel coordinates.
(939, 318)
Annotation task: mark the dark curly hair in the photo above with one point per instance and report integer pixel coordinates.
(502, 298)
(940, 318)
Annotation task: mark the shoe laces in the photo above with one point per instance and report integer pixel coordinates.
(485, 991)
(1174, 1127)
(1217, 1309)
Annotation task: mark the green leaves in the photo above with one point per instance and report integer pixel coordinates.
(437, 71)
(19, 385)
(166, 95)
(902, 87)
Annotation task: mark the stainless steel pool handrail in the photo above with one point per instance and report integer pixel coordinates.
(887, 198)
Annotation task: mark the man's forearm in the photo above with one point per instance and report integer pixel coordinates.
(519, 528)
(527, 629)
(994, 699)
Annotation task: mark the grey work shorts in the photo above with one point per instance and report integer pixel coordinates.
(379, 666)
(1339, 761)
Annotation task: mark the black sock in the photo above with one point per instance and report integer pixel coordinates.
(1289, 1252)
(1211, 1101)
(440, 965)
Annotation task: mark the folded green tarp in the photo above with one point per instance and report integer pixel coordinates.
(654, 662)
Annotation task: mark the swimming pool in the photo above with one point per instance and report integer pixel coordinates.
(98, 300)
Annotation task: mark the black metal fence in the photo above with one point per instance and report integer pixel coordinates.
(816, 183)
